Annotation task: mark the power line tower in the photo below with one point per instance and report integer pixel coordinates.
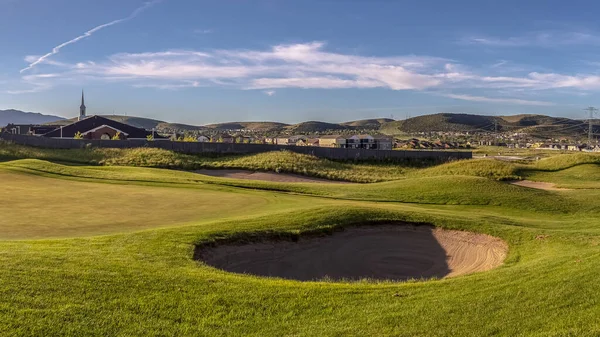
(591, 110)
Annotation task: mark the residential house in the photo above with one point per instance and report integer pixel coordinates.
(308, 142)
(18, 129)
(289, 140)
(332, 141)
(361, 142)
(383, 143)
(222, 138)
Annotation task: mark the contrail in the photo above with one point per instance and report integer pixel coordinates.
(56, 49)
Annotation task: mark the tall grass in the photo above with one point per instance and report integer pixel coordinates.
(290, 162)
(565, 161)
(278, 161)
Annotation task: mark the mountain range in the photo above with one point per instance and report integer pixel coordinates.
(539, 125)
(20, 117)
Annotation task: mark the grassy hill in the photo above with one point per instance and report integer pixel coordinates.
(540, 125)
(257, 126)
(374, 124)
(315, 126)
(537, 125)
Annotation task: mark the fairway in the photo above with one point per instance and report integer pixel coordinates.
(97, 251)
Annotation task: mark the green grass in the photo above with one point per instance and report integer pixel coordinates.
(280, 161)
(107, 250)
(580, 177)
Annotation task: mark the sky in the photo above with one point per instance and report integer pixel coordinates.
(203, 62)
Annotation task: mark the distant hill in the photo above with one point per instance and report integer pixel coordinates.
(444, 122)
(257, 126)
(315, 126)
(540, 125)
(536, 125)
(368, 123)
(21, 117)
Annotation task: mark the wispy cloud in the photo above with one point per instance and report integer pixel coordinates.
(269, 92)
(499, 64)
(308, 66)
(203, 31)
(89, 33)
(545, 39)
(498, 100)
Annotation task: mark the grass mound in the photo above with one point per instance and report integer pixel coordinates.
(276, 161)
(565, 161)
(487, 168)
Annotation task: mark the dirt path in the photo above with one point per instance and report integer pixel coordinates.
(265, 176)
(539, 185)
(391, 252)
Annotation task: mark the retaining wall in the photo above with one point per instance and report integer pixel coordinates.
(225, 148)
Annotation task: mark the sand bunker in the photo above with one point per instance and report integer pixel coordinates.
(265, 176)
(388, 252)
(538, 184)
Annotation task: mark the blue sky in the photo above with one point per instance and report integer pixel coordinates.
(214, 61)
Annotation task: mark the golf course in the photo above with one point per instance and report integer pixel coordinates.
(139, 242)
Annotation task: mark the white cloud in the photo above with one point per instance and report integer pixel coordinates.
(498, 100)
(269, 92)
(302, 65)
(56, 50)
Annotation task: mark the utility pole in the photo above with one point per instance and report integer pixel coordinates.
(591, 111)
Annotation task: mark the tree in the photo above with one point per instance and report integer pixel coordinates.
(117, 136)
(78, 135)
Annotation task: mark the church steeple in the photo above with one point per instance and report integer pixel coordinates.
(82, 107)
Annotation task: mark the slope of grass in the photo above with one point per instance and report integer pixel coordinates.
(565, 161)
(441, 190)
(488, 168)
(280, 161)
(146, 284)
(579, 177)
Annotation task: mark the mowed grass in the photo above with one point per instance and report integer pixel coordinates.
(146, 284)
(37, 207)
(143, 281)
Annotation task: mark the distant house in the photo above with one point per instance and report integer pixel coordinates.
(18, 129)
(332, 141)
(383, 143)
(308, 142)
(223, 138)
(97, 127)
(289, 140)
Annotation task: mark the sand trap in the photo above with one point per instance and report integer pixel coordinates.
(538, 184)
(388, 252)
(264, 176)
